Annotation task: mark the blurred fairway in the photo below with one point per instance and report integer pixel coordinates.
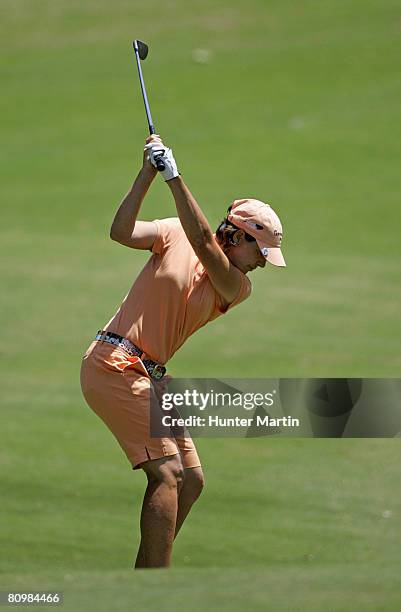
(298, 105)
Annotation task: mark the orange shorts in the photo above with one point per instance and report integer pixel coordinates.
(117, 387)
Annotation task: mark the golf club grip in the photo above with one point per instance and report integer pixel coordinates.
(159, 163)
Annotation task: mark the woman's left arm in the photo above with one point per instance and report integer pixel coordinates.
(224, 276)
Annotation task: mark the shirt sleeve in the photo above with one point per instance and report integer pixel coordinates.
(168, 232)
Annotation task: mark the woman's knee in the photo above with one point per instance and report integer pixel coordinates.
(194, 481)
(168, 470)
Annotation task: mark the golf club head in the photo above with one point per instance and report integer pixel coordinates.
(142, 48)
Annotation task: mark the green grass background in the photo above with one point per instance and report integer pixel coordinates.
(299, 106)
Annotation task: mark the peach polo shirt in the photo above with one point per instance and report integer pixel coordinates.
(171, 298)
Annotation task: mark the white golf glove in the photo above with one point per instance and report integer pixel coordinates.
(159, 151)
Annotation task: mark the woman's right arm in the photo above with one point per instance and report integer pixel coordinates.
(125, 228)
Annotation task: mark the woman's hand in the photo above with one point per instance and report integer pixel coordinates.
(158, 151)
(147, 166)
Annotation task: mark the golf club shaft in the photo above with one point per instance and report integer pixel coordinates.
(143, 88)
(159, 163)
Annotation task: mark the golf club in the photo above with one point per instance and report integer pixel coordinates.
(141, 51)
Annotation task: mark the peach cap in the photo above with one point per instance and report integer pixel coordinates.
(260, 221)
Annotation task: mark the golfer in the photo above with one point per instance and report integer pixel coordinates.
(191, 277)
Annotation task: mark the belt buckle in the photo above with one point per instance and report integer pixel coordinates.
(158, 371)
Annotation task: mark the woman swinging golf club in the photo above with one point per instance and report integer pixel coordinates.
(192, 277)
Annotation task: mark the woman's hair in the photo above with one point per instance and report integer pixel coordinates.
(226, 231)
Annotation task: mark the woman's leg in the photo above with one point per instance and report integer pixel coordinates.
(159, 511)
(189, 493)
